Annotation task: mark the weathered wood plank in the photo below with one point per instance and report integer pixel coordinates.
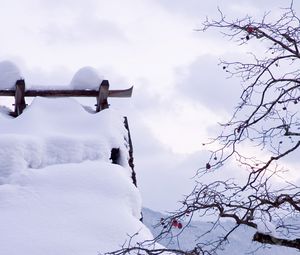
(7, 93)
(121, 92)
(69, 93)
(61, 93)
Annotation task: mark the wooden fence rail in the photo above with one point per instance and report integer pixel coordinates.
(101, 94)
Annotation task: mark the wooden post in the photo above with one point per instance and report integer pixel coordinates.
(20, 103)
(102, 102)
(130, 151)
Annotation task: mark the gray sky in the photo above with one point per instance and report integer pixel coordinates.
(180, 91)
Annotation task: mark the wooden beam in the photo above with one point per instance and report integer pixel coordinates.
(102, 94)
(69, 93)
(120, 92)
(61, 93)
(8, 93)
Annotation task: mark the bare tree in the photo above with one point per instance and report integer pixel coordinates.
(265, 120)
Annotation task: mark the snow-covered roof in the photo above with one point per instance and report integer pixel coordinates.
(59, 191)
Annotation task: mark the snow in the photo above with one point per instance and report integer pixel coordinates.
(9, 74)
(41, 137)
(86, 78)
(72, 209)
(266, 227)
(59, 193)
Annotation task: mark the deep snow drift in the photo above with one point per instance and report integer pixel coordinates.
(59, 192)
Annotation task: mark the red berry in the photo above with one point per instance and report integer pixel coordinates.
(175, 223)
(250, 30)
(179, 225)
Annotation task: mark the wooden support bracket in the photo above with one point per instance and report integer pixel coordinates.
(20, 103)
(102, 102)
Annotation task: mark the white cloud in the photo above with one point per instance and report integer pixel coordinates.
(181, 126)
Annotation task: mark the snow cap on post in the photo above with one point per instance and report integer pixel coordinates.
(9, 74)
(86, 78)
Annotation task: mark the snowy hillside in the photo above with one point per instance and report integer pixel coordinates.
(239, 242)
(60, 194)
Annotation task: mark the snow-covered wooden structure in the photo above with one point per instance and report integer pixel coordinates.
(59, 191)
(66, 171)
(102, 94)
(20, 93)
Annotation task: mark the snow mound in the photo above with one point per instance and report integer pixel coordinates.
(68, 210)
(59, 193)
(9, 74)
(58, 131)
(86, 78)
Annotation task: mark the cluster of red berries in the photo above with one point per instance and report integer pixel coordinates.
(250, 30)
(175, 223)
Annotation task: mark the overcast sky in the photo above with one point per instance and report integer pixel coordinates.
(180, 92)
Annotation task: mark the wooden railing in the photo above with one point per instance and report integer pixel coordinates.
(20, 93)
